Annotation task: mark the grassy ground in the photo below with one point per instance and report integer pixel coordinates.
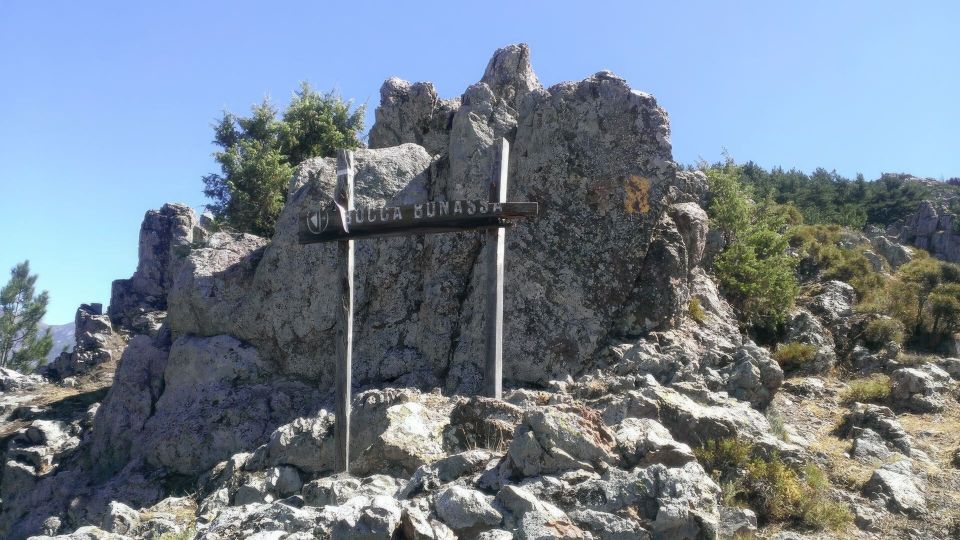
(815, 418)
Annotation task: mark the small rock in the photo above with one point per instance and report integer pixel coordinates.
(254, 491)
(645, 440)
(284, 481)
(539, 525)
(121, 519)
(951, 366)
(495, 534)
(559, 438)
(868, 445)
(917, 390)
(373, 518)
(897, 485)
(463, 508)
(608, 526)
(417, 525)
(737, 522)
(333, 490)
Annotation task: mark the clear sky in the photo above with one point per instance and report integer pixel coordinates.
(105, 107)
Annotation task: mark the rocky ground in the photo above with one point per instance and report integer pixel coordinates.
(199, 405)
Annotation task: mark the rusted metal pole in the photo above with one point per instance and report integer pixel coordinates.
(343, 198)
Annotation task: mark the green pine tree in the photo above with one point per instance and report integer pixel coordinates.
(259, 154)
(22, 346)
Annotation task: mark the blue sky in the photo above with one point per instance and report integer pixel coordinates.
(105, 107)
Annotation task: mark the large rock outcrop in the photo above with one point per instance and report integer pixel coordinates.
(933, 228)
(166, 236)
(594, 154)
(95, 342)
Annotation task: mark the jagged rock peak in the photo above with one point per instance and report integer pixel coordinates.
(510, 75)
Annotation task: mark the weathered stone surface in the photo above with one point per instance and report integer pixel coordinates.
(868, 445)
(464, 509)
(165, 239)
(694, 421)
(121, 519)
(686, 501)
(894, 253)
(832, 303)
(608, 526)
(737, 522)
(94, 342)
(879, 420)
(803, 327)
(412, 113)
(12, 381)
(284, 481)
(554, 439)
(88, 532)
(401, 437)
(642, 440)
(431, 476)
(917, 390)
(931, 227)
(417, 525)
(899, 487)
(306, 443)
(482, 422)
(218, 397)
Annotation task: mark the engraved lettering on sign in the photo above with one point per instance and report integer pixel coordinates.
(433, 216)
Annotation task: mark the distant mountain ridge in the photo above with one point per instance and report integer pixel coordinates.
(62, 338)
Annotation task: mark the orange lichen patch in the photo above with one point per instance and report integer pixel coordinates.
(637, 198)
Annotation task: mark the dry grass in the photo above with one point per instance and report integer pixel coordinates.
(936, 435)
(794, 355)
(873, 389)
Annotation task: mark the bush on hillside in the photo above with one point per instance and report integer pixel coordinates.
(792, 356)
(873, 389)
(754, 271)
(881, 331)
(775, 490)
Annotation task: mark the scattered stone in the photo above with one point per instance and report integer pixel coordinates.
(554, 439)
(417, 525)
(879, 420)
(333, 490)
(868, 446)
(539, 525)
(899, 487)
(737, 522)
(284, 481)
(916, 390)
(463, 509)
(608, 526)
(368, 518)
(642, 440)
(121, 519)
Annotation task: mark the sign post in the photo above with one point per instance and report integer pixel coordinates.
(343, 223)
(343, 199)
(493, 368)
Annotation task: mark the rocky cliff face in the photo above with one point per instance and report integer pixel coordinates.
(572, 274)
(933, 229)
